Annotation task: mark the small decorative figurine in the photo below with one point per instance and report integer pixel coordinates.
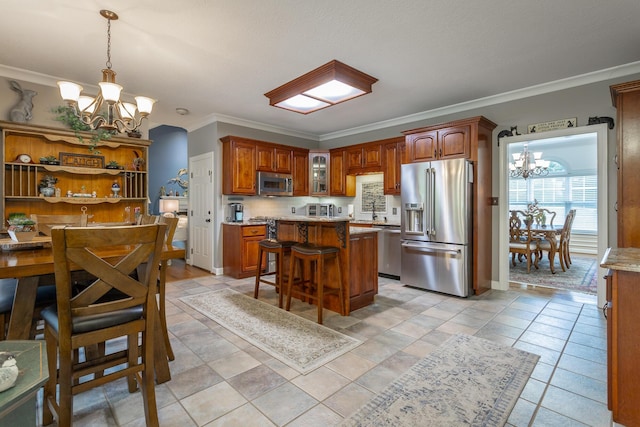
(21, 112)
(8, 370)
(115, 188)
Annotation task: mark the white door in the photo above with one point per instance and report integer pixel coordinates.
(201, 211)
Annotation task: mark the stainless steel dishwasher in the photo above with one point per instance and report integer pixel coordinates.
(389, 251)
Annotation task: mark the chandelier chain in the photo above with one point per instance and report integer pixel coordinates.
(108, 43)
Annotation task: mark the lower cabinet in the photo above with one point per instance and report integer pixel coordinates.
(623, 346)
(240, 249)
(363, 274)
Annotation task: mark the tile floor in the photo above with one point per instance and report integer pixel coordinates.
(221, 380)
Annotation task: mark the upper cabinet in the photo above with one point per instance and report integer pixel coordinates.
(238, 165)
(432, 144)
(109, 182)
(300, 172)
(392, 159)
(364, 158)
(626, 99)
(319, 173)
(270, 158)
(242, 157)
(340, 184)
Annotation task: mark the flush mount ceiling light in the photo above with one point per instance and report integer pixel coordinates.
(116, 115)
(327, 85)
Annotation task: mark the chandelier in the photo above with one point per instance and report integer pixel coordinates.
(528, 163)
(106, 111)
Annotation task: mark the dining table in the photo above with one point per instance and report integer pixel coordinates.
(548, 232)
(29, 265)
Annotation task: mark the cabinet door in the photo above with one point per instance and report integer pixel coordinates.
(319, 173)
(250, 254)
(300, 173)
(454, 142)
(243, 168)
(363, 282)
(340, 183)
(392, 165)
(372, 157)
(264, 158)
(282, 163)
(353, 160)
(421, 147)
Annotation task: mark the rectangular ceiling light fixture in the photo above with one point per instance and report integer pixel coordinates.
(330, 84)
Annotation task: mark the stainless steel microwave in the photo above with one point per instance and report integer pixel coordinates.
(274, 184)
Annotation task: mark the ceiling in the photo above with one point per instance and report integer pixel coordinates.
(217, 58)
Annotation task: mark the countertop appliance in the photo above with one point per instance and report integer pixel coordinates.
(236, 212)
(389, 251)
(436, 226)
(274, 184)
(321, 209)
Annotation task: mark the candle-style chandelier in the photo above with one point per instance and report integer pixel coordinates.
(528, 163)
(116, 115)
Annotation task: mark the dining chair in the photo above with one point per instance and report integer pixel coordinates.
(521, 240)
(561, 243)
(544, 216)
(114, 305)
(565, 239)
(172, 224)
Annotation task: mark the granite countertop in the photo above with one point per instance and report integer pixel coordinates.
(625, 259)
(362, 230)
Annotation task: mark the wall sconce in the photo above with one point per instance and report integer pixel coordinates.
(330, 84)
(169, 206)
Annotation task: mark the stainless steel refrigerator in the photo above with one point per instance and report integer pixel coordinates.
(436, 226)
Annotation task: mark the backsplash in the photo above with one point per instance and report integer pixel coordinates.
(368, 189)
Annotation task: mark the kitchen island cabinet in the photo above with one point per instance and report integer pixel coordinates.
(358, 247)
(240, 248)
(623, 334)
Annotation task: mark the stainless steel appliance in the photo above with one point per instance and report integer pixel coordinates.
(436, 225)
(274, 184)
(236, 212)
(389, 251)
(321, 209)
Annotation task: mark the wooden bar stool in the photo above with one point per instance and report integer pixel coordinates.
(280, 248)
(311, 284)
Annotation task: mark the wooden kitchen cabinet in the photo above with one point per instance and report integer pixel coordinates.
(340, 184)
(623, 334)
(433, 144)
(319, 173)
(271, 158)
(471, 139)
(238, 166)
(363, 282)
(240, 249)
(392, 159)
(364, 158)
(300, 172)
(80, 173)
(626, 99)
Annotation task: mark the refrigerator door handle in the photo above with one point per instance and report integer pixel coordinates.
(431, 249)
(433, 203)
(427, 216)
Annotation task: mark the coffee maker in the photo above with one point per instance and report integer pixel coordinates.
(236, 212)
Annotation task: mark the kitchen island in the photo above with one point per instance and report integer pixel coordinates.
(358, 255)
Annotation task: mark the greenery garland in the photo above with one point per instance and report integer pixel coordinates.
(68, 116)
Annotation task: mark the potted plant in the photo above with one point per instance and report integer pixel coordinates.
(21, 228)
(49, 160)
(48, 185)
(113, 165)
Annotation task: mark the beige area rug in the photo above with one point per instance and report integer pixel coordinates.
(467, 381)
(297, 342)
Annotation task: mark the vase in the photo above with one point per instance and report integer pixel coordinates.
(47, 191)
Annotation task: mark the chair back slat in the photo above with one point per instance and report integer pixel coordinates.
(46, 222)
(90, 249)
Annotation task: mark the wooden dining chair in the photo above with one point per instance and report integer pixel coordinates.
(172, 224)
(114, 305)
(561, 243)
(521, 240)
(544, 216)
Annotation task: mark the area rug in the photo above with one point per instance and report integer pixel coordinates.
(580, 277)
(297, 342)
(467, 381)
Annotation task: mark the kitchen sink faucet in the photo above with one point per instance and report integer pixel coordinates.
(373, 211)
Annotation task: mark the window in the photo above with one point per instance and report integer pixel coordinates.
(560, 192)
